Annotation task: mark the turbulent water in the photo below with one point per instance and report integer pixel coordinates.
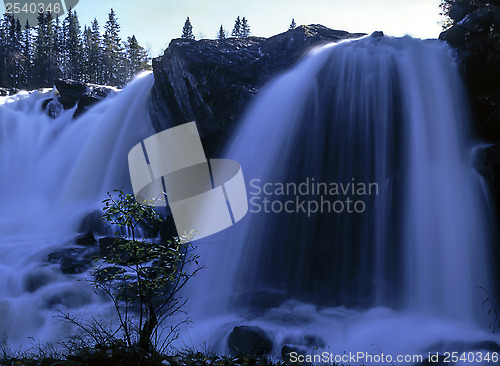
(52, 173)
(374, 133)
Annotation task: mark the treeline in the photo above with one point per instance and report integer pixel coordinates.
(33, 57)
(241, 29)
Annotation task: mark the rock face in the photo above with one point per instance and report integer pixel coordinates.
(72, 92)
(211, 81)
(475, 35)
(249, 340)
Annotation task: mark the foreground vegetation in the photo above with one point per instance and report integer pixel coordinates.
(121, 357)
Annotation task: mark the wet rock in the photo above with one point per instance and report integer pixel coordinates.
(377, 34)
(72, 92)
(474, 36)
(93, 222)
(249, 340)
(86, 239)
(74, 260)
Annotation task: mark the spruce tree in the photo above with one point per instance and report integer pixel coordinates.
(59, 42)
(187, 30)
(95, 55)
(10, 49)
(73, 46)
(87, 45)
(113, 55)
(27, 55)
(293, 25)
(14, 54)
(3, 51)
(45, 68)
(222, 34)
(137, 57)
(245, 28)
(237, 28)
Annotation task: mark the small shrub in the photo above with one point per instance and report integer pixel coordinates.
(143, 278)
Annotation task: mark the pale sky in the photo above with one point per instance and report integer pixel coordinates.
(156, 22)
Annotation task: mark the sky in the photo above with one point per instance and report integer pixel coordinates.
(156, 22)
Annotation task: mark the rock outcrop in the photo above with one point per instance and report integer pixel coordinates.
(249, 340)
(211, 81)
(73, 92)
(475, 35)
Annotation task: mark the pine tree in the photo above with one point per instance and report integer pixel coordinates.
(27, 56)
(87, 45)
(113, 60)
(32, 57)
(11, 51)
(137, 57)
(245, 28)
(293, 25)
(45, 68)
(222, 34)
(187, 30)
(59, 42)
(4, 78)
(73, 46)
(237, 28)
(15, 62)
(95, 55)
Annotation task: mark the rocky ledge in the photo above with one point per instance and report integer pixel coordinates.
(73, 92)
(211, 81)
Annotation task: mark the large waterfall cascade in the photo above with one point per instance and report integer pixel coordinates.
(399, 276)
(53, 172)
(405, 273)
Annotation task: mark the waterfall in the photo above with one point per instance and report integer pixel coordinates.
(369, 228)
(388, 116)
(52, 173)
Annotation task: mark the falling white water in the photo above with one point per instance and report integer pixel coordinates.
(400, 278)
(52, 173)
(404, 276)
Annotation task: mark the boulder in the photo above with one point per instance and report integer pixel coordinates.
(73, 92)
(74, 260)
(86, 239)
(211, 81)
(249, 340)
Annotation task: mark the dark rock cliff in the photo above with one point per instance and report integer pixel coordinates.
(211, 81)
(475, 36)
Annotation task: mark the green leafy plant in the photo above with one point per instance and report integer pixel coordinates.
(142, 277)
